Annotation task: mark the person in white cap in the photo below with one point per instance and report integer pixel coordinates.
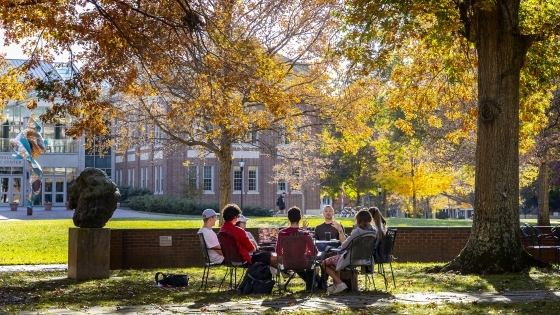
(209, 217)
(242, 223)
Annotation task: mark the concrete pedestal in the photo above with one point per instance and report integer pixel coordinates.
(89, 253)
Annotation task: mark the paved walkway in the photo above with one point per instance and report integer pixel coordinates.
(61, 213)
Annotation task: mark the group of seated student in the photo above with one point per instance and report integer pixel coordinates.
(234, 224)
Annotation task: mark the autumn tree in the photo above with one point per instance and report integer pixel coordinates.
(507, 36)
(541, 155)
(199, 73)
(300, 163)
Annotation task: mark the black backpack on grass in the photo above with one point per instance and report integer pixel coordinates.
(257, 280)
(172, 280)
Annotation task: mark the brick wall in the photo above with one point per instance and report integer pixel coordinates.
(140, 248)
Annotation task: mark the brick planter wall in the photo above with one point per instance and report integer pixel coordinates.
(140, 248)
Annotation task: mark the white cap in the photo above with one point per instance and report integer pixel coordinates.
(242, 218)
(209, 213)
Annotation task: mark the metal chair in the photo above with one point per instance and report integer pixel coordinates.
(555, 233)
(293, 258)
(361, 251)
(207, 263)
(532, 239)
(384, 254)
(232, 259)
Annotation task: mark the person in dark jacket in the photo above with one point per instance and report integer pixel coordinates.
(281, 203)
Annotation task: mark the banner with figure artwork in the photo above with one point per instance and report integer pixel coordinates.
(29, 144)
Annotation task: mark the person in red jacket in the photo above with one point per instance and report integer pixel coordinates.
(246, 248)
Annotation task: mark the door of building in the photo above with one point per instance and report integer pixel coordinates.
(54, 189)
(11, 190)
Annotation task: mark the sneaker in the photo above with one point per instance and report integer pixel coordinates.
(331, 288)
(340, 287)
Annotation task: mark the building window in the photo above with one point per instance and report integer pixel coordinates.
(253, 183)
(158, 136)
(156, 180)
(192, 176)
(147, 177)
(142, 177)
(207, 178)
(282, 139)
(161, 179)
(282, 186)
(133, 177)
(252, 137)
(236, 178)
(129, 177)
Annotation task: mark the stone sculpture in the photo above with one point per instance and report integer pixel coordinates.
(94, 197)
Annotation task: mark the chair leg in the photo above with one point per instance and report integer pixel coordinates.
(381, 271)
(228, 271)
(392, 275)
(205, 273)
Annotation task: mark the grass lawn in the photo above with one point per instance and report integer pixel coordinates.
(46, 241)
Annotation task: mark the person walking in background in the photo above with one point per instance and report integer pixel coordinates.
(281, 203)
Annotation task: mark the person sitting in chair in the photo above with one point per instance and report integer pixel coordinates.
(331, 226)
(214, 251)
(335, 263)
(310, 251)
(246, 248)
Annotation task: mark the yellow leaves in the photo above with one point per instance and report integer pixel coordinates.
(31, 104)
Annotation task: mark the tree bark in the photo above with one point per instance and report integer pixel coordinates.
(224, 157)
(494, 245)
(543, 217)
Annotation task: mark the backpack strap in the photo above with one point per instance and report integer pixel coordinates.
(157, 276)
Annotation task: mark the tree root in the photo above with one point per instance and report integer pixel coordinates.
(472, 266)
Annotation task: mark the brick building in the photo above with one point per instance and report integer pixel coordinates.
(167, 174)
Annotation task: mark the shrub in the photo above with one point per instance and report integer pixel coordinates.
(172, 205)
(128, 192)
(442, 215)
(257, 211)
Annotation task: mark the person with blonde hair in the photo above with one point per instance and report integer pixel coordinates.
(333, 264)
(379, 222)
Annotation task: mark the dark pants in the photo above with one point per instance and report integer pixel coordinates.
(307, 276)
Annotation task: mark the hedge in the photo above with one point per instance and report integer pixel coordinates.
(174, 205)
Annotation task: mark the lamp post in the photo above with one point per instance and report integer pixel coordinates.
(241, 165)
(379, 194)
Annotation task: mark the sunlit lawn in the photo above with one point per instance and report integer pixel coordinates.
(46, 241)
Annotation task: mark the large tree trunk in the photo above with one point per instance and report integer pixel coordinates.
(543, 217)
(224, 157)
(494, 244)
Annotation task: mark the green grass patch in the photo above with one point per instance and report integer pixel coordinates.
(46, 241)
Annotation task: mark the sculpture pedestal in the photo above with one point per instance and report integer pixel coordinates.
(89, 254)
